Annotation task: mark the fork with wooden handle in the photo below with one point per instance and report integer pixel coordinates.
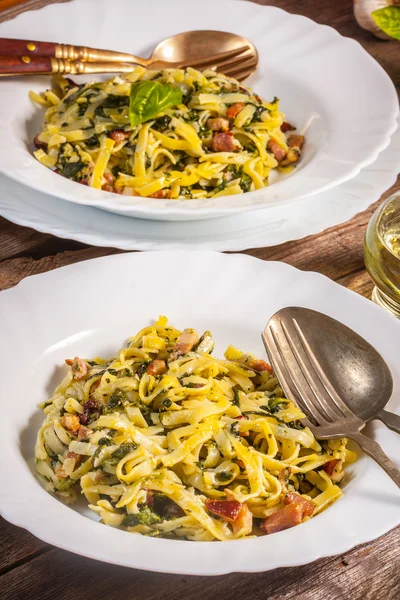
(23, 57)
(302, 379)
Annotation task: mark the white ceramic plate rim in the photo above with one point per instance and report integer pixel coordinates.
(369, 506)
(258, 229)
(324, 171)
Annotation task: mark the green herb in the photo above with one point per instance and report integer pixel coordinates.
(162, 123)
(235, 429)
(142, 369)
(236, 401)
(65, 484)
(223, 476)
(104, 441)
(72, 169)
(245, 182)
(388, 19)
(92, 363)
(144, 517)
(149, 98)
(191, 116)
(114, 101)
(167, 402)
(115, 400)
(123, 450)
(257, 114)
(276, 404)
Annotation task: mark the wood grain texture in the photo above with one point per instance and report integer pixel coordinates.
(362, 573)
(9, 9)
(31, 569)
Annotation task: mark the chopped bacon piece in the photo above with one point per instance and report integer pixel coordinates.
(108, 177)
(292, 157)
(224, 142)
(119, 135)
(83, 182)
(149, 498)
(260, 365)
(329, 466)
(60, 473)
(107, 188)
(186, 341)
(218, 124)
(80, 367)
(284, 518)
(41, 145)
(333, 468)
(84, 432)
(228, 510)
(235, 109)
(276, 150)
(295, 141)
(244, 521)
(71, 422)
(73, 455)
(165, 193)
(306, 506)
(287, 127)
(91, 406)
(156, 367)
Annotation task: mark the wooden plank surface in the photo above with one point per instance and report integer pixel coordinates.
(31, 569)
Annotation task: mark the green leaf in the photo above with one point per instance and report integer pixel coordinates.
(388, 19)
(149, 98)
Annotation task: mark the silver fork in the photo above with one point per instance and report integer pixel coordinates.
(304, 381)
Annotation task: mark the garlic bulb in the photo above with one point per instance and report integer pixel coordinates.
(362, 13)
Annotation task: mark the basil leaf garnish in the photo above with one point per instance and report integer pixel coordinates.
(388, 19)
(149, 98)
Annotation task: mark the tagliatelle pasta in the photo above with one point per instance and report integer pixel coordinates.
(166, 440)
(217, 138)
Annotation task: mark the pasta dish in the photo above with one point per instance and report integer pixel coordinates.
(167, 441)
(175, 134)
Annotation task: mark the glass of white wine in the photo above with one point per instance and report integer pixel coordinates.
(382, 254)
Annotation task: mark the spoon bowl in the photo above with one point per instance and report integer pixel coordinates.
(192, 45)
(355, 369)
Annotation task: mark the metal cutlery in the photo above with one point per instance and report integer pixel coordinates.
(296, 364)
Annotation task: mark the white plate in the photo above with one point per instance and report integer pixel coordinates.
(90, 308)
(255, 229)
(330, 88)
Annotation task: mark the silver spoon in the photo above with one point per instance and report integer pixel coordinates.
(318, 365)
(355, 369)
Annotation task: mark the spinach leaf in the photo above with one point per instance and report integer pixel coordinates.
(149, 98)
(145, 516)
(72, 169)
(115, 101)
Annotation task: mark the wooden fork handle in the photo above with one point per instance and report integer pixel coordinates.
(13, 47)
(373, 449)
(65, 51)
(25, 65)
(36, 65)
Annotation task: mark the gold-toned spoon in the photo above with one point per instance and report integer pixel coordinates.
(231, 54)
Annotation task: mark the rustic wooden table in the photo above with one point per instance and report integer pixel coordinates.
(31, 569)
